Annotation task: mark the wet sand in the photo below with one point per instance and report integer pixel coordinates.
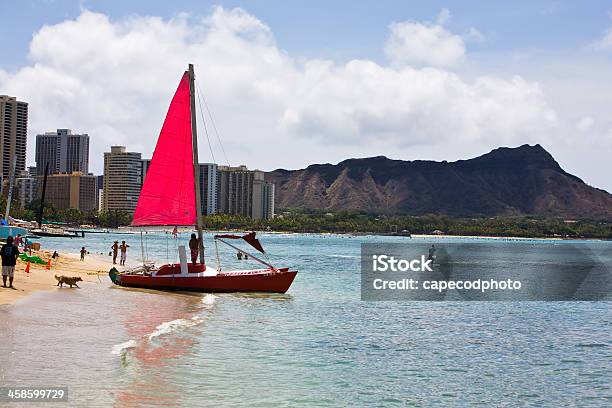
(40, 279)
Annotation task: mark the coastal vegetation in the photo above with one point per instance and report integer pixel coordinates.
(364, 222)
(354, 221)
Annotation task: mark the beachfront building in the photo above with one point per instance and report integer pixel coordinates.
(268, 200)
(245, 192)
(235, 194)
(70, 190)
(263, 198)
(209, 187)
(122, 179)
(144, 168)
(25, 185)
(13, 136)
(64, 151)
(99, 192)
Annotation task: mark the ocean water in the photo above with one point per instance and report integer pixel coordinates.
(317, 345)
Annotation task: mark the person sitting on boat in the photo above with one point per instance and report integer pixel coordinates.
(239, 255)
(194, 246)
(246, 256)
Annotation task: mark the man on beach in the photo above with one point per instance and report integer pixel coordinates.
(123, 247)
(115, 249)
(9, 253)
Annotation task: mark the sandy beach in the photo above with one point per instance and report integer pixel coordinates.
(40, 278)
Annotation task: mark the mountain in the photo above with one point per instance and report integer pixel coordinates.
(506, 181)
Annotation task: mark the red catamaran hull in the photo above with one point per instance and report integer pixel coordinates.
(270, 281)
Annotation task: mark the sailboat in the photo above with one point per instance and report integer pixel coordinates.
(170, 196)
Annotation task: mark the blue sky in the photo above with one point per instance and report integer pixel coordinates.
(337, 79)
(341, 29)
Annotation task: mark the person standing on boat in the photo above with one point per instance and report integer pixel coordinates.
(123, 247)
(115, 249)
(9, 253)
(194, 246)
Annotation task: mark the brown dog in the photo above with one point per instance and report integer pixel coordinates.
(72, 281)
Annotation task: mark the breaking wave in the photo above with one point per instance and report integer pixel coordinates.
(209, 299)
(173, 326)
(122, 348)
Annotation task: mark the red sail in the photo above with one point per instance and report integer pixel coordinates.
(249, 238)
(168, 193)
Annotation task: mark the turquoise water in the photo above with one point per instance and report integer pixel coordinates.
(317, 345)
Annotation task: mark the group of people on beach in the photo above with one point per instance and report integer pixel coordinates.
(116, 248)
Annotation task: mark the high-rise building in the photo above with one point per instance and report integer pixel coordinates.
(268, 201)
(13, 137)
(145, 163)
(263, 197)
(64, 151)
(26, 189)
(122, 179)
(209, 188)
(99, 192)
(235, 194)
(244, 192)
(74, 190)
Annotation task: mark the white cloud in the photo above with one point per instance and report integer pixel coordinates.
(605, 42)
(444, 16)
(114, 80)
(585, 124)
(475, 36)
(425, 44)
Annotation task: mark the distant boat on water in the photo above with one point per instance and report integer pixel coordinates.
(170, 197)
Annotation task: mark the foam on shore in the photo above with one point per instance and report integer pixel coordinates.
(122, 348)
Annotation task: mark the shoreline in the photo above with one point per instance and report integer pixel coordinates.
(40, 279)
(359, 233)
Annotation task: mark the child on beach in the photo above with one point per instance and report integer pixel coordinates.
(83, 253)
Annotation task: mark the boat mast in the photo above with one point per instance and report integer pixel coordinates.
(196, 163)
(10, 192)
(42, 197)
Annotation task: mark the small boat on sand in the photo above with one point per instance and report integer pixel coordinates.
(170, 197)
